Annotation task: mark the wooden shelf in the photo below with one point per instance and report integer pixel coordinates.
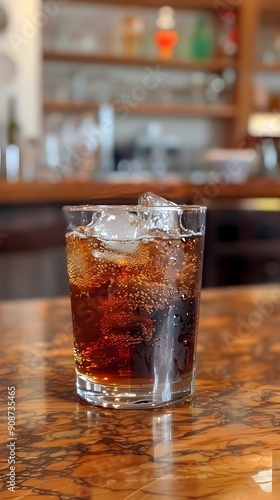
(68, 192)
(216, 64)
(148, 108)
(222, 111)
(70, 107)
(260, 66)
(178, 4)
(89, 191)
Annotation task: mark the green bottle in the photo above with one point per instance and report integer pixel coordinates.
(202, 44)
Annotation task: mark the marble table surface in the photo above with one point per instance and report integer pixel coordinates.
(223, 445)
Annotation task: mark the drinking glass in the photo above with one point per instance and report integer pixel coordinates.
(135, 282)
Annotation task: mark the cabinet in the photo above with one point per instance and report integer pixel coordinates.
(242, 246)
(86, 66)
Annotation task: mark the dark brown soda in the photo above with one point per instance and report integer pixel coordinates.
(135, 308)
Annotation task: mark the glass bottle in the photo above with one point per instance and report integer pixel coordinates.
(166, 37)
(228, 39)
(12, 129)
(132, 28)
(12, 153)
(202, 43)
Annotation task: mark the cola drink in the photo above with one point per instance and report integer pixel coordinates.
(135, 285)
(135, 314)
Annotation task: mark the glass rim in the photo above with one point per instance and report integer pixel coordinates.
(133, 208)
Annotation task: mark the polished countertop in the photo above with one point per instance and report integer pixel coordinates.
(223, 445)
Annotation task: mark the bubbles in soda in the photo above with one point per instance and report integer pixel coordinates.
(134, 313)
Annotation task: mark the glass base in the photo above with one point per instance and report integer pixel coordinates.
(135, 396)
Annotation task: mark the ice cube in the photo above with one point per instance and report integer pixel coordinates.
(118, 230)
(153, 200)
(163, 220)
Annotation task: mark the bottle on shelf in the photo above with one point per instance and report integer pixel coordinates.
(12, 154)
(2, 163)
(215, 91)
(12, 125)
(166, 37)
(132, 29)
(2, 151)
(198, 88)
(202, 43)
(184, 49)
(228, 39)
(106, 117)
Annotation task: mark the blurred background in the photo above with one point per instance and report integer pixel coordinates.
(100, 101)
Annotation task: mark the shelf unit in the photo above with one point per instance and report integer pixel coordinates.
(176, 4)
(225, 111)
(249, 12)
(215, 64)
(157, 109)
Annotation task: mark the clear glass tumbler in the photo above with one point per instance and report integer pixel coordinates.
(135, 282)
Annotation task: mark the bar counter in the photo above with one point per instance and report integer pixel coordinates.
(223, 445)
(176, 188)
